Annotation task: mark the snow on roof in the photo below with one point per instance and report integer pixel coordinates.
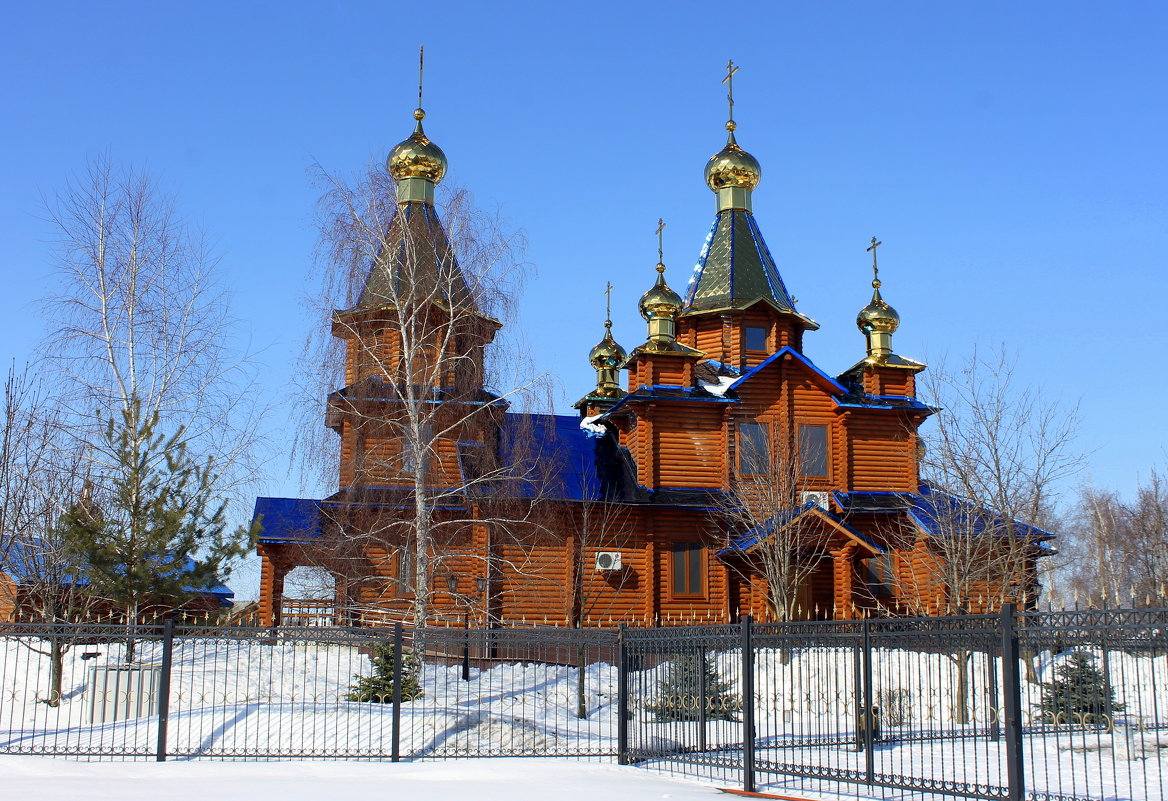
(720, 387)
(591, 427)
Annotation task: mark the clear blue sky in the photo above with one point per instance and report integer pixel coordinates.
(1010, 155)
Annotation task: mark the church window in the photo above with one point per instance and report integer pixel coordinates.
(756, 338)
(813, 451)
(754, 448)
(688, 568)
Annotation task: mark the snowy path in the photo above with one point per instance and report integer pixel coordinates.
(46, 779)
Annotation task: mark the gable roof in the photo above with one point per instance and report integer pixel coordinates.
(752, 538)
(828, 383)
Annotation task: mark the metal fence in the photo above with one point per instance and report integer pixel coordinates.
(247, 693)
(1049, 707)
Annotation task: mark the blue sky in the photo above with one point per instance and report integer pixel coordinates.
(1010, 156)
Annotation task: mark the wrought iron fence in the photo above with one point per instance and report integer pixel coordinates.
(1017, 706)
(1049, 707)
(247, 693)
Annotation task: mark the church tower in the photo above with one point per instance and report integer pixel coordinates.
(736, 309)
(414, 339)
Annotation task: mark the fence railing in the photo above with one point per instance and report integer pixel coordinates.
(1017, 706)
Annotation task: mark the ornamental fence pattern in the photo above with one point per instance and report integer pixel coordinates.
(1023, 706)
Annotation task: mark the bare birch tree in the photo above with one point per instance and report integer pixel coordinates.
(437, 477)
(1122, 546)
(1003, 453)
(994, 464)
(139, 316)
(39, 481)
(140, 338)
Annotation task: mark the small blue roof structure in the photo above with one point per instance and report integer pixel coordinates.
(288, 519)
(20, 564)
(828, 382)
(753, 537)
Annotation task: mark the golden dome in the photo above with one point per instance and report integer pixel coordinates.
(732, 166)
(660, 301)
(877, 316)
(417, 157)
(607, 353)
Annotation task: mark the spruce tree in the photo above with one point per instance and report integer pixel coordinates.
(680, 690)
(1078, 693)
(155, 533)
(377, 687)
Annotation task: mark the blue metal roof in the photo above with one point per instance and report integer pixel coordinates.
(20, 564)
(939, 513)
(754, 536)
(288, 519)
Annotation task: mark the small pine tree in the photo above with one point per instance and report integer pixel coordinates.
(377, 687)
(679, 691)
(155, 532)
(1078, 693)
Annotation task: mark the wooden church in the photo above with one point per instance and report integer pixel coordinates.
(728, 475)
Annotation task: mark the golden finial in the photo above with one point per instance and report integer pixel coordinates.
(729, 81)
(608, 305)
(878, 321)
(660, 245)
(875, 270)
(420, 114)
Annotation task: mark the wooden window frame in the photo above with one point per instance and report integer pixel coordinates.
(685, 548)
(741, 443)
(746, 329)
(825, 476)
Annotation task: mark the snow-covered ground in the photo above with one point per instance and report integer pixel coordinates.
(45, 779)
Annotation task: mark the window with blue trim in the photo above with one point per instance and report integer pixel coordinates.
(756, 338)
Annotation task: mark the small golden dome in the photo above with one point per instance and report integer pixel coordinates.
(732, 166)
(607, 353)
(417, 157)
(877, 316)
(660, 301)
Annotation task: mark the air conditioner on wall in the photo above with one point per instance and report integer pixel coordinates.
(817, 497)
(608, 560)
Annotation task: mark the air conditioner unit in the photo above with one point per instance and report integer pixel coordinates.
(817, 497)
(608, 560)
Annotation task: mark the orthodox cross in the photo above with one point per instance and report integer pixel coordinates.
(872, 249)
(421, 63)
(660, 241)
(729, 81)
(608, 304)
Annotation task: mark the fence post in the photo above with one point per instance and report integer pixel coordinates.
(1012, 704)
(869, 708)
(995, 704)
(398, 656)
(164, 688)
(703, 712)
(465, 648)
(748, 704)
(622, 697)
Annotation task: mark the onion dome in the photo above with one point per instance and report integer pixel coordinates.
(878, 316)
(417, 156)
(660, 301)
(607, 353)
(732, 167)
